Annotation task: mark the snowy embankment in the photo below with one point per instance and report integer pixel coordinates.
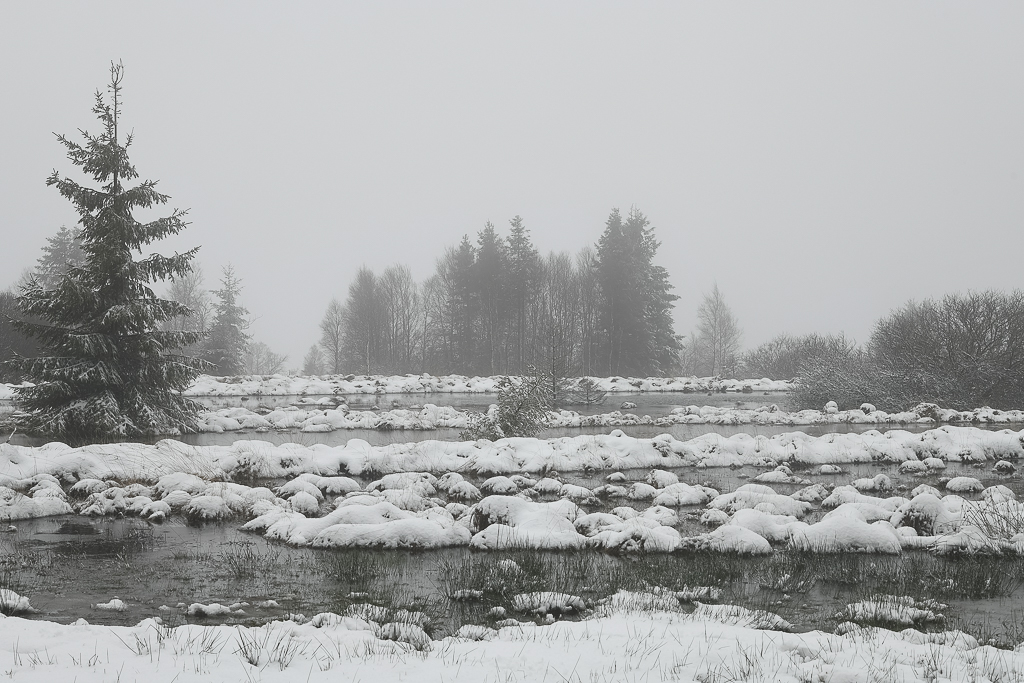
(592, 452)
(283, 385)
(632, 637)
(411, 507)
(438, 417)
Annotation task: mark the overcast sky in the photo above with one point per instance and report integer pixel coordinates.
(823, 162)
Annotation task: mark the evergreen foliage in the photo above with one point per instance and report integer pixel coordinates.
(13, 342)
(521, 410)
(635, 314)
(62, 252)
(313, 361)
(228, 341)
(495, 306)
(105, 368)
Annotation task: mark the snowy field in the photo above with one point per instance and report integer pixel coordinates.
(742, 557)
(429, 417)
(454, 384)
(509, 494)
(635, 637)
(326, 385)
(950, 493)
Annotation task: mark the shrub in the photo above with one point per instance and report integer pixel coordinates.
(521, 411)
(962, 352)
(785, 357)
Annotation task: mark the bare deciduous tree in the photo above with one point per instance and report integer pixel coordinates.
(962, 352)
(189, 289)
(332, 336)
(718, 334)
(260, 360)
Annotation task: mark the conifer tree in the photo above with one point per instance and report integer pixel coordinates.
(63, 250)
(228, 341)
(636, 300)
(105, 368)
(490, 281)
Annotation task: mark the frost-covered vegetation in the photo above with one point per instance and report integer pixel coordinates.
(961, 351)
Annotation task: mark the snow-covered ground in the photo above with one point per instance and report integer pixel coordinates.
(452, 384)
(634, 636)
(508, 494)
(286, 385)
(597, 452)
(429, 416)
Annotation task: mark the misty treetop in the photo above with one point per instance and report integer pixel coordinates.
(228, 339)
(105, 367)
(494, 306)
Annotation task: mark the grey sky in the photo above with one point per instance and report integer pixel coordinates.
(824, 162)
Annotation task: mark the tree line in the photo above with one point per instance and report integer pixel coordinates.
(217, 317)
(495, 306)
(106, 356)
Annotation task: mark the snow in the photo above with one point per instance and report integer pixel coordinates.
(317, 506)
(894, 610)
(716, 642)
(847, 534)
(546, 602)
(729, 539)
(215, 609)
(13, 603)
(964, 485)
(430, 416)
(507, 522)
(114, 605)
(191, 466)
(278, 385)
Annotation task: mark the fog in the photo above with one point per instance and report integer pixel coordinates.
(822, 162)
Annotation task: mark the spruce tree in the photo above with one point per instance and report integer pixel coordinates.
(228, 341)
(105, 368)
(62, 252)
(636, 300)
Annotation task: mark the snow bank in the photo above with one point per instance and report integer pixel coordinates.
(714, 643)
(13, 603)
(411, 507)
(280, 385)
(771, 415)
(312, 419)
(609, 452)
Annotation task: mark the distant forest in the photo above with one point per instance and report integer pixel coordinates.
(494, 305)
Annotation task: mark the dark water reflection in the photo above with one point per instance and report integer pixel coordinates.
(160, 570)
